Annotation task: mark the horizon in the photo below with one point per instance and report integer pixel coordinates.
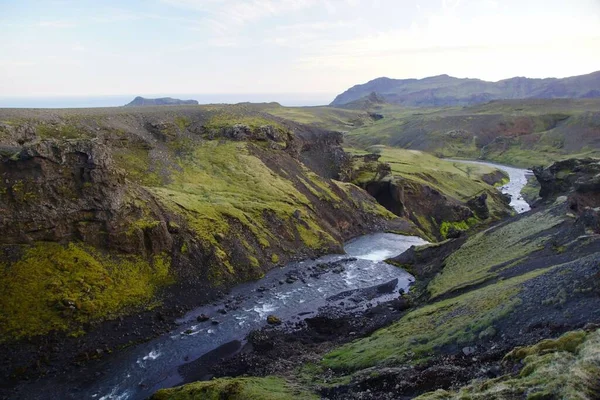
(67, 48)
(298, 99)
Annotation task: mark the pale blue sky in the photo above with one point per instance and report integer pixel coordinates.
(65, 47)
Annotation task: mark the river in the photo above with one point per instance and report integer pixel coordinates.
(518, 179)
(292, 293)
(354, 280)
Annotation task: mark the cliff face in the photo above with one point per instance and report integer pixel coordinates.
(104, 213)
(439, 197)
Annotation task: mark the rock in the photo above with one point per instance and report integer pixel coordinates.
(214, 322)
(273, 320)
(222, 311)
(469, 351)
(291, 279)
(591, 327)
(479, 206)
(453, 233)
(202, 318)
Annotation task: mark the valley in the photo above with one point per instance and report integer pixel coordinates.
(175, 244)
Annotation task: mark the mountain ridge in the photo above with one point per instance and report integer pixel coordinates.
(445, 90)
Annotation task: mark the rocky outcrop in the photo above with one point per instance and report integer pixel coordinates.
(579, 179)
(437, 214)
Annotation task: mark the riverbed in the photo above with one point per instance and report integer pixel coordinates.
(354, 281)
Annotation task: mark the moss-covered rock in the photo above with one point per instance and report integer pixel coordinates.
(563, 368)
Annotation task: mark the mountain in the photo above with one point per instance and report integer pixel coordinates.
(163, 101)
(444, 90)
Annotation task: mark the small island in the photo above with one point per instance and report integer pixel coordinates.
(163, 101)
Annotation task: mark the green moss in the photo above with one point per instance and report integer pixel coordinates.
(568, 342)
(474, 261)
(182, 122)
(419, 334)
(254, 262)
(563, 368)
(459, 226)
(73, 285)
(184, 248)
(138, 166)
(313, 236)
(274, 258)
(223, 183)
(142, 225)
(268, 388)
(63, 131)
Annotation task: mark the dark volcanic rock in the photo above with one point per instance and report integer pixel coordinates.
(479, 206)
(579, 179)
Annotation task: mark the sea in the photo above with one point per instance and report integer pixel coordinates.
(285, 99)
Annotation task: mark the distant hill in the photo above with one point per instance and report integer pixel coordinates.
(163, 101)
(444, 90)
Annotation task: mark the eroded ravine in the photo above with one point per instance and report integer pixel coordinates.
(292, 293)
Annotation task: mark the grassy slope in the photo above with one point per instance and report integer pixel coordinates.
(458, 319)
(323, 117)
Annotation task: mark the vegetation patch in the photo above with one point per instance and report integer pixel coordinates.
(419, 334)
(474, 261)
(267, 388)
(563, 368)
(52, 287)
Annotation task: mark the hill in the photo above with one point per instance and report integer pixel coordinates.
(444, 90)
(516, 132)
(163, 101)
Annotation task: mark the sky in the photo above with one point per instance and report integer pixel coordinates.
(93, 48)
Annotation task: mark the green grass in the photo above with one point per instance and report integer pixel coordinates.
(473, 262)
(268, 388)
(55, 287)
(563, 368)
(458, 180)
(419, 334)
(323, 117)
